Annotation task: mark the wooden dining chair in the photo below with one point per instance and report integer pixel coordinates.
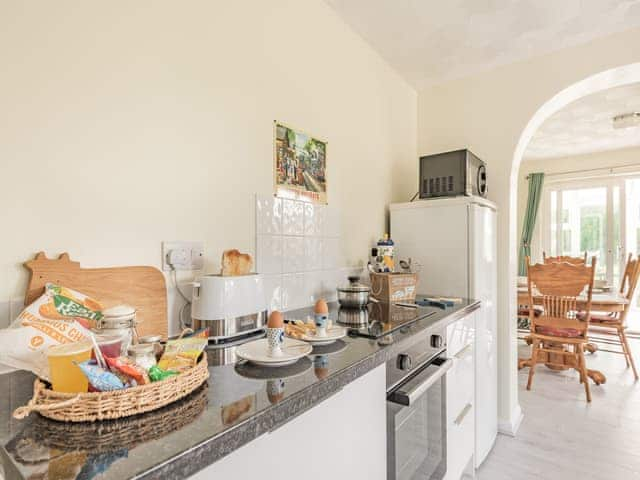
(523, 310)
(614, 324)
(560, 284)
(565, 258)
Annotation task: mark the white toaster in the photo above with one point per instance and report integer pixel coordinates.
(229, 306)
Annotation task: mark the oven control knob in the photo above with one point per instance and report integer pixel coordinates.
(436, 341)
(404, 361)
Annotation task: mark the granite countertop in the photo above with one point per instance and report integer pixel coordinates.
(239, 403)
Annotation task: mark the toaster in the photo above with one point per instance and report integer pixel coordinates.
(229, 306)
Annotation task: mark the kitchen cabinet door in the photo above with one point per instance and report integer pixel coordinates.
(460, 397)
(343, 436)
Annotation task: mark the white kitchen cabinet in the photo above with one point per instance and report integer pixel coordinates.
(344, 436)
(461, 398)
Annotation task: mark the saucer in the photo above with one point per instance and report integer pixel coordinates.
(333, 333)
(257, 352)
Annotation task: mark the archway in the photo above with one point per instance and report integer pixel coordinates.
(605, 80)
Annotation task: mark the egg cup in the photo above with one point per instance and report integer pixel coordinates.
(321, 320)
(275, 338)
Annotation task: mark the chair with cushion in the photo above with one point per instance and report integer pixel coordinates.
(614, 324)
(560, 284)
(523, 310)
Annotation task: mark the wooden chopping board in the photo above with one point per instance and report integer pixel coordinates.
(143, 288)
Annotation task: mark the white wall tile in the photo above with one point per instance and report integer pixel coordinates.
(362, 273)
(293, 291)
(314, 219)
(313, 252)
(293, 254)
(4, 314)
(292, 217)
(314, 287)
(332, 222)
(269, 254)
(298, 248)
(330, 281)
(331, 255)
(9, 311)
(273, 291)
(268, 215)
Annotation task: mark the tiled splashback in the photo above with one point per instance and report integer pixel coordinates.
(298, 249)
(9, 311)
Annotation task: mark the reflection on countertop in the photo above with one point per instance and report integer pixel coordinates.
(239, 402)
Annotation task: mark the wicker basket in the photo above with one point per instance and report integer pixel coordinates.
(99, 438)
(92, 406)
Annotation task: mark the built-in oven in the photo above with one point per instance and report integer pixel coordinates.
(417, 411)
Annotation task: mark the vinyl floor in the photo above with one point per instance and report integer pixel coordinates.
(563, 437)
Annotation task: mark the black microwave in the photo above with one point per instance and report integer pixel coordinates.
(450, 174)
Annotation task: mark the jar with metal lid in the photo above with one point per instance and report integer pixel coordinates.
(120, 321)
(155, 341)
(143, 355)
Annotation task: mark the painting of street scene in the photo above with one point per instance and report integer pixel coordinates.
(300, 165)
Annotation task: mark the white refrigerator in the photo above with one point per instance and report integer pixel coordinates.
(452, 241)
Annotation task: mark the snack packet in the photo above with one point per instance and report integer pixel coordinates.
(60, 315)
(124, 366)
(102, 380)
(182, 354)
(156, 374)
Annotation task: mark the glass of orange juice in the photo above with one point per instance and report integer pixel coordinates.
(65, 375)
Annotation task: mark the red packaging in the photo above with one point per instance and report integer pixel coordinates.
(129, 369)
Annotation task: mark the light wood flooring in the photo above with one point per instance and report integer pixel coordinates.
(563, 437)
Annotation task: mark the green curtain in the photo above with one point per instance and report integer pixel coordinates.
(533, 202)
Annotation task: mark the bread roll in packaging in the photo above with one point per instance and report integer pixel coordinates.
(60, 315)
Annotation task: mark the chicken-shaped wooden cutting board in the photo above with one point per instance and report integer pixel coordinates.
(142, 287)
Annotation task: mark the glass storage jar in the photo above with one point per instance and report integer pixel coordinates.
(119, 321)
(155, 341)
(143, 355)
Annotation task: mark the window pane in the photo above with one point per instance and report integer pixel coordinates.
(584, 225)
(554, 218)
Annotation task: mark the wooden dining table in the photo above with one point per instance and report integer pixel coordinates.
(601, 301)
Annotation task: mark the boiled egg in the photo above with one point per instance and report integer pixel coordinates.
(275, 320)
(321, 306)
(321, 372)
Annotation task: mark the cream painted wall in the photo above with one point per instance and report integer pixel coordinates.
(127, 123)
(488, 113)
(598, 160)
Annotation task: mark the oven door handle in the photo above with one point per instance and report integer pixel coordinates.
(422, 381)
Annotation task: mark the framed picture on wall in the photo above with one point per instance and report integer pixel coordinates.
(300, 164)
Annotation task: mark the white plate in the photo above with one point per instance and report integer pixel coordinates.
(257, 352)
(333, 333)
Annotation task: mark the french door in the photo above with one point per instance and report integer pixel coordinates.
(591, 216)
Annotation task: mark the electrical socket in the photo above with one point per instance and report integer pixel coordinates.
(182, 255)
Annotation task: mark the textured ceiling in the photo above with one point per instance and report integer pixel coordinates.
(584, 126)
(429, 41)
